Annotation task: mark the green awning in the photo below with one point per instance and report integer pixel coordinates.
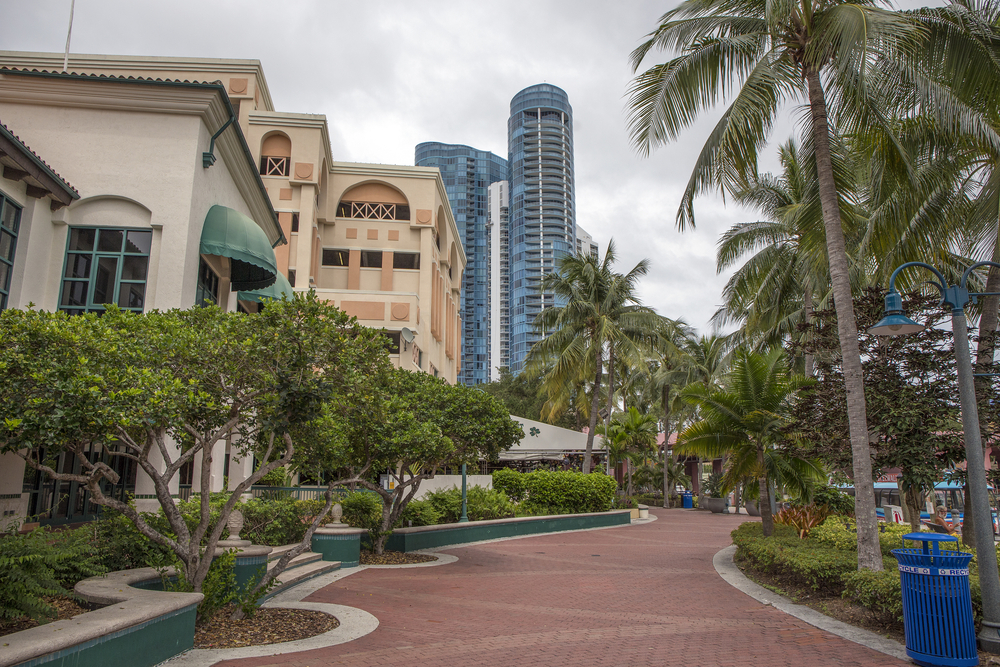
(280, 288)
(229, 233)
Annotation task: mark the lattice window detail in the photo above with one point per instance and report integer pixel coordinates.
(373, 211)
(271, 165)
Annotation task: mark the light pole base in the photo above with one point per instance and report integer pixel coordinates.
(988, 638)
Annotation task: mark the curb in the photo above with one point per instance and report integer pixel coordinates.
(724, 565)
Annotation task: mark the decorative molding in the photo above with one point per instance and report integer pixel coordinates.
(393, 234)
(285, 193)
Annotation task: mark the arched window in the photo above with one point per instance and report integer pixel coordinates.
(374, 201)
(275, 155)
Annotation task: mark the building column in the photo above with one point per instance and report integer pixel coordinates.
(13, 503)
(304, 251)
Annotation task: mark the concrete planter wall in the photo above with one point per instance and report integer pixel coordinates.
(342, 544)
(752, 508)
(429, 537)
(138, 628)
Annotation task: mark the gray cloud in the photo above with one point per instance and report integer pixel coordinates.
(389, 74)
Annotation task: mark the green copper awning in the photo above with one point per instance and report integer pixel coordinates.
(231, 234)
(280, 288)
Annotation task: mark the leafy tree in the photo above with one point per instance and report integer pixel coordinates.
(524, 395)
(912, 398)
(410, 425)
(743, 422)
(600, 322)
(163, 389)
(632, 438)
(761, 55)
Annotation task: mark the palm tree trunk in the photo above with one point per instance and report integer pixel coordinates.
(766, 518)
(809, 360)
(984, 364)
(666, 444)
(595, 402)
(869, 552)
(611, 385)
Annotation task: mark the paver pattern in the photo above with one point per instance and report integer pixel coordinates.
(634, 595)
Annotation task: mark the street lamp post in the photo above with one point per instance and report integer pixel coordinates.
(895, 323)
(465, 500)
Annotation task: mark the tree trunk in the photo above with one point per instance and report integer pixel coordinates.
(968, 524)
(809, 360)
(869, 551)
(984, 364)
(666, 444)
(766, 518)
(595, 403)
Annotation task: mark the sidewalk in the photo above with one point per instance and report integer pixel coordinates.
(634, 595)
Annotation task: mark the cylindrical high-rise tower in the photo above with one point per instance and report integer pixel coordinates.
(542, 204)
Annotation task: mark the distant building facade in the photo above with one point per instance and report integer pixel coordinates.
(585, 244)
(542, 205)
(467, 174)
(498, 223)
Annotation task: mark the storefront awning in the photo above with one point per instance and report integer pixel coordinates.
(280, 288)
(229, 233)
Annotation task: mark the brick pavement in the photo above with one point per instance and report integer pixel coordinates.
(635, 595)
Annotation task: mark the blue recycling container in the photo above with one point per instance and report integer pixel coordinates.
(688, 500)
(937, 605)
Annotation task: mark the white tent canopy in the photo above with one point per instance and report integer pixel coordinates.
(547, 442)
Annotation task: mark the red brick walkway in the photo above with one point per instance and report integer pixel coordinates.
(635, 595)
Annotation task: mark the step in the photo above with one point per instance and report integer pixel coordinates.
(298, 561)
(289, 578)
(278, 552)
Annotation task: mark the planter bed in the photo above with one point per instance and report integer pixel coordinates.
(135, 627)
(429, 537)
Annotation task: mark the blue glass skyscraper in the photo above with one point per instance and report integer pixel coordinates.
(467, 174)
(542, 205)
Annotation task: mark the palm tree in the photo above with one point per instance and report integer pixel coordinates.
(825, 51)
(639, 435)
(601, 319)
(786, 274)
(743, 423)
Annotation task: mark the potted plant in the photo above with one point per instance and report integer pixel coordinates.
(714, 499)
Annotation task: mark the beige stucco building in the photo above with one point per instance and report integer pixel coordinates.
(121, 177)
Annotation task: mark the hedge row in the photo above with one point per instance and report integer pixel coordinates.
(560, 492)
(827, 562)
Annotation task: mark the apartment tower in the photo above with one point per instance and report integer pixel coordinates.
(467, 174)
(542, 205)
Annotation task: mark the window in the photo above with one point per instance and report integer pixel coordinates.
(272, 165)
(208, 285)
(334, 257)
(291, 277)
(392, 341)
(105, 266)
(373, 211)
(371, 259)
(295, 222)
(406, 260)
(10, 220)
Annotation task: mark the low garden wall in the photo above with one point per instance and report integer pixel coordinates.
(429, 537)
(136, 627)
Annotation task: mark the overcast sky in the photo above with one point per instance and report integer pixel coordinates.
(389, 74)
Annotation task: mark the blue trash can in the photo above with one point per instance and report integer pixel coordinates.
(688, 500)
(937, 605)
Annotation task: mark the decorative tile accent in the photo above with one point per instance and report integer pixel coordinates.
(303, 171)
(393, 234)
(423, 216)
(352, 233)
(238, 86)
(285, 193)
(373, 235)
(400, 311)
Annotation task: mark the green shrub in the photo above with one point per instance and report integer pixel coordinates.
(277, 477)
(42, 563)
(819, 566)
(123, 547)
(836, 500)
(510, 482)
(275, 522)
(878, 592)
(420, 513)
(362, 509)
(713, 485)
(564, 492)
(834, 533)
(483, 504)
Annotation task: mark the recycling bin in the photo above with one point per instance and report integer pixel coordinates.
(688, 500)
(937, 605)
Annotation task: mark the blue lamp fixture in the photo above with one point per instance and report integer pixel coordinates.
(895, 323)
